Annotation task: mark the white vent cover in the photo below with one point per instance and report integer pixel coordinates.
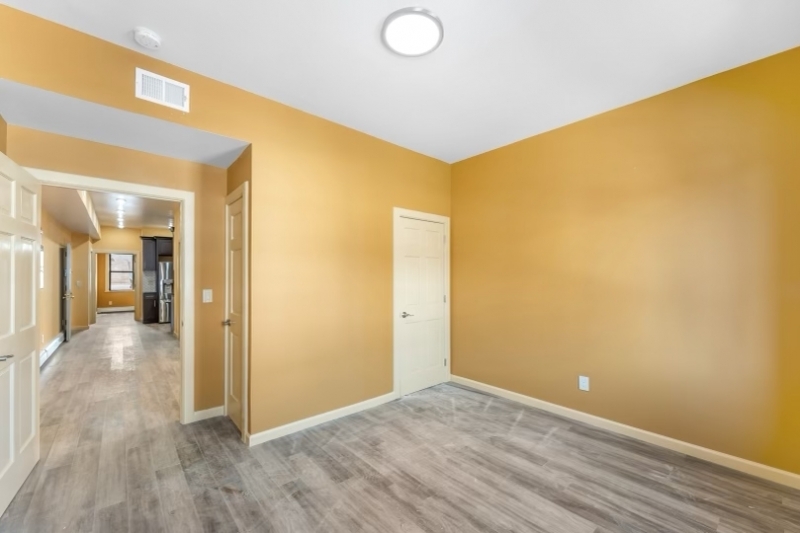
(161, 90)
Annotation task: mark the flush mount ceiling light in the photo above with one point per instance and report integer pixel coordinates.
(147, 38)
(412, 32)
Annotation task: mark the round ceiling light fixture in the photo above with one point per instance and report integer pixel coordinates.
(412, 32)
(147, 38)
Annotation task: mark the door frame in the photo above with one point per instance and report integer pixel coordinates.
(397, 214)
(187, 227)
(243, 192)
(65, 271)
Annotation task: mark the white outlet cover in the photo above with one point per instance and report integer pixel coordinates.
(208, 296)
(583, 383)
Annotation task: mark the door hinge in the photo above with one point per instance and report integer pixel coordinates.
(445, 298)
(445, 362)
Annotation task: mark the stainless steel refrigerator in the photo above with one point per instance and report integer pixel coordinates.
(165, 292)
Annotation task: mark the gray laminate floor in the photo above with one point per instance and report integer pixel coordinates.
(115, 458)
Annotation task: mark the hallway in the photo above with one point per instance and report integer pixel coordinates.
(108, 398)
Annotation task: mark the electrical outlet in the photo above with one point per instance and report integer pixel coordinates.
(583, 383)
(110, 302)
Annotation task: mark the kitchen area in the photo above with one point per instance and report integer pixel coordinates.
(158, 281)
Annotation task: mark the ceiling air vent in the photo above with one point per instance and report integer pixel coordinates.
(161, 90)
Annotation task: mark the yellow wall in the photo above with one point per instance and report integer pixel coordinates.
(48, 301)
(322, 196)
(240, 170)
(656, 249)
(106, 298)
(118, 239)
(156, 232)
(37, 149)
(3, 134)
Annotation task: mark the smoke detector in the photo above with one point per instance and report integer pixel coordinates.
(147, 38)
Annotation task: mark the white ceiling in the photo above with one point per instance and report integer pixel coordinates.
(23, 105)
(139, 212)
(506, 70)
(67, 207)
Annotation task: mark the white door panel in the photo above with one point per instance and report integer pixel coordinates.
(420, 290)
(19, 369)
(6, 418)
(6, 283)
(236, 309)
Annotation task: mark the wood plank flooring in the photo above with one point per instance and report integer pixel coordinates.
(448, 459)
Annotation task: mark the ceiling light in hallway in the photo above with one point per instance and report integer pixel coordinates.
(412, 32)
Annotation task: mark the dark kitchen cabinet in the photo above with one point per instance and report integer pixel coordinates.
(150, 308)
(164, 246)
(149, 254)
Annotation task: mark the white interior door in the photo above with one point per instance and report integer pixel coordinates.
(236, 309)
(421, 307)
(66, 291)
(19, 363)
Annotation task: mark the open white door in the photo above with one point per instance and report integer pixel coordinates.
(19, 362)
(66, 291)
(236, 243)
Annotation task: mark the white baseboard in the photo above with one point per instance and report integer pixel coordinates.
(51, 347)
(293, 427)
(735, 463)
(101, 310)
(208, 413)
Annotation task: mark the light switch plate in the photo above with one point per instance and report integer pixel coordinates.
(208, 296)
(583, 383)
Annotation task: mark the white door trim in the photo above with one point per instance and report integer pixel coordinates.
(397, 214)
(187, 226)
(243, 192)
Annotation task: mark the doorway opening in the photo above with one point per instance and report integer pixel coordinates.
(145, 267)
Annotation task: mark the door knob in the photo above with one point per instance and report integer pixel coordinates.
(5, 357)
(227, 322)
(404, 315)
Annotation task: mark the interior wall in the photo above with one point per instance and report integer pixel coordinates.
(107, 298)
(322, 198)
(241, 170)
(3, 134)
(655, 249)
(32, 148)
(48, 298)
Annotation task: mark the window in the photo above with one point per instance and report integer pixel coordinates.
(120, 272)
